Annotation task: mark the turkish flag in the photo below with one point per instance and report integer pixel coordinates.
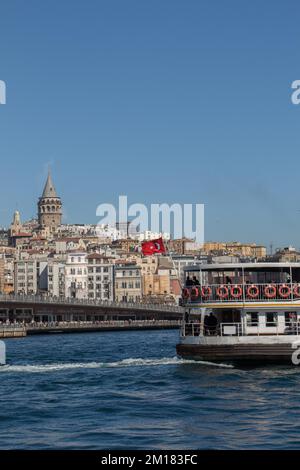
(153, 246)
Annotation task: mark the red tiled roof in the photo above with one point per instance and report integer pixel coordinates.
(22, 234)
(68, 239)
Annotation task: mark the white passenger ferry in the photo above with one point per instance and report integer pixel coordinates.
(246, 313)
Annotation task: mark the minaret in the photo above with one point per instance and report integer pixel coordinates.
(17, 219)
(49, 206)
(16, 225)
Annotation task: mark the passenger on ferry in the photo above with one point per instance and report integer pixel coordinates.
(189, 281)
(195, 281)
(226, 317)
(210, 324)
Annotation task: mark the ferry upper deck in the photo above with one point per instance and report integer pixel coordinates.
(243, 284)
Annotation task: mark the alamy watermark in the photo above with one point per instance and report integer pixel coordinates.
(2, 92)
(296, 354)
(296, 93)
(182, 220)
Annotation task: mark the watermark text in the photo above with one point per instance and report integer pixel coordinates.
(182, 220)
(2, 92)
(296, 93)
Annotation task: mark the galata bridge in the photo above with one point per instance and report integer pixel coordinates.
(26, 308)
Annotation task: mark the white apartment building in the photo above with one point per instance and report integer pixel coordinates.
(106, 231)
(100, 277)
(56, 278)
(76, 280)
(76, 229)
(63, 245)
(30, 276)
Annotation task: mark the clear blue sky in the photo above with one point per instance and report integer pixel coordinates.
(162, 100)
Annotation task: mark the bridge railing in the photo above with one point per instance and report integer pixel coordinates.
(20, 298)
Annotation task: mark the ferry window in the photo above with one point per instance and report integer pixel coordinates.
(252, 318)
(271, 319)
(290, 317)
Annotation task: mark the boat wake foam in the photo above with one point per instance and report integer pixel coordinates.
(105, 365)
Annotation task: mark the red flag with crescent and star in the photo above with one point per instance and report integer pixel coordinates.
(153, 246)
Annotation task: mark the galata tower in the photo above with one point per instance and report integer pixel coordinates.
(49, 207)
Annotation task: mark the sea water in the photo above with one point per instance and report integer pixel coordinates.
(128, 390)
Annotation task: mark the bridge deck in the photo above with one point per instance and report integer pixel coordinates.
(28, 309)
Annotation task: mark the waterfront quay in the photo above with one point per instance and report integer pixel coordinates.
(88, 327)
(12, 331)
(21, 330)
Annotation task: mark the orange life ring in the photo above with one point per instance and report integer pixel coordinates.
(185, 293)
(194, 293)
(284, 291)
(270, 291)
(222, 292)
(297, 290)
(206, 292)
(236, 292)
(252, 291)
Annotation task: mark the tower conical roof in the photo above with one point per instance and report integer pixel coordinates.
(49, 189)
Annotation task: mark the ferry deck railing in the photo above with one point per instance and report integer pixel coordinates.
(239, 329)
(228, 293)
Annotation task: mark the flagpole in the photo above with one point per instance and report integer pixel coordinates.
(163, 248)
(173, 263)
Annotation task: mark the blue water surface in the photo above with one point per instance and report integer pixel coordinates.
(127, 390)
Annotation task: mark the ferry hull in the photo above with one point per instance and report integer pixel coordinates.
(240, 354)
